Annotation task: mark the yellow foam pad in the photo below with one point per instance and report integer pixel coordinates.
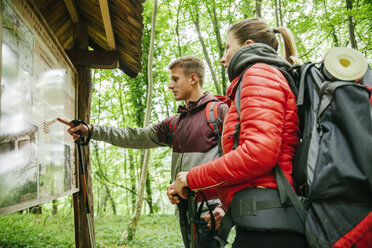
(345, 63)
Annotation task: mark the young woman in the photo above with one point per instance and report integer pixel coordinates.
(268, 136)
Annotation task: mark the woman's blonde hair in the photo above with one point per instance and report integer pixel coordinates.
(259, 31)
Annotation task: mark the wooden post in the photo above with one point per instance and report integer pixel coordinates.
(82, 239)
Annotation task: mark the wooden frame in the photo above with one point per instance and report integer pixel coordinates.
(105, 12)
(72, 10)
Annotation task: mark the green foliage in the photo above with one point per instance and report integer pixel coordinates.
(27, 230)
(31, 231)
(120, 101)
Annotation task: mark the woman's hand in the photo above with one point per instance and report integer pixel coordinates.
(218, 214)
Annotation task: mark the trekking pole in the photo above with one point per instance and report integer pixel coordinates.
(182, 209)
(83, 178)
(194, 220)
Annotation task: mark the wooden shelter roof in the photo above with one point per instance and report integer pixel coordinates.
(114, 29)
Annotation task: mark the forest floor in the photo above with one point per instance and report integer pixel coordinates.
(57, 231)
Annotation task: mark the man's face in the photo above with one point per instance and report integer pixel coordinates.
(180, 84)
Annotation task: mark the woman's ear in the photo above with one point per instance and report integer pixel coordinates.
(247, 42)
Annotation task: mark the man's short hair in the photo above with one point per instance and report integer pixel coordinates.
(190, 64)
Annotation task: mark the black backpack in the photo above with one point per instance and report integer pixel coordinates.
(332, 169)
(333, 165)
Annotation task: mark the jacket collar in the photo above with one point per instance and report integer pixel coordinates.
(204, 99)
(252, 54)
(249, 55)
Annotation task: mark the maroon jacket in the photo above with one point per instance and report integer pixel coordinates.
(193, 140)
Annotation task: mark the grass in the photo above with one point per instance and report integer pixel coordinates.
(27, 230)
(57, 231)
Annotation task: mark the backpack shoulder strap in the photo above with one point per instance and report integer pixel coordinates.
(285, 190)
(214, 122)
(172, 128)
(237, 105)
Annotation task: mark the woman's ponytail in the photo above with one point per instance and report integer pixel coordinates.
(289, 45)
(259, 31)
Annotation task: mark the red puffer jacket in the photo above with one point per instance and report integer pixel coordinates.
(268, 135)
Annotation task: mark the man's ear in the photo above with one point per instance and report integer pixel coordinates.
(194, 78)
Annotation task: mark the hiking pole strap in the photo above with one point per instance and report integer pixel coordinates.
(285, 189)
(210, 210)
(225, 228)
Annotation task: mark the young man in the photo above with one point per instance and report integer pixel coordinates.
(193, 141)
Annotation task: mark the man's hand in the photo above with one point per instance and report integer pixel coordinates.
(72, 130)
(218, 213)
(173, 198)
(179, 186)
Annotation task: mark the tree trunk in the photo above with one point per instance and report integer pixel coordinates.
(132, 176)
(149, 193)
(280, 14)
(276, 13)
(205, 52)
(177, 30)
(221, 48)
(333, 29)
(349, 6)
(113, 205)
(258, 8)
(126, 183)
(137, 212)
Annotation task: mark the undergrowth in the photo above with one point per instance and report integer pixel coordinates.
(57, 231)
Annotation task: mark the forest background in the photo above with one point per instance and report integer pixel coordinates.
(183, 27)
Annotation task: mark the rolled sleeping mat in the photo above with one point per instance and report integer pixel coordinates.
(343, 63)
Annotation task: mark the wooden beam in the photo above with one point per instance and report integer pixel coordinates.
(72, 10)
(94, 59)
(106, 18)
(82, 240)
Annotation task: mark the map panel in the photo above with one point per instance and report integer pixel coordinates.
(37, 159)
